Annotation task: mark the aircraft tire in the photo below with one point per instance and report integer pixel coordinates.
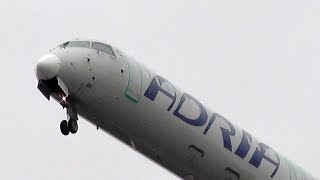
(64, 127)
(73, 126)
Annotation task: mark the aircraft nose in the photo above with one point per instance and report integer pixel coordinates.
(48, 67)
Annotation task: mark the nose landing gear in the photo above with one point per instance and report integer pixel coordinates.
(71, 124)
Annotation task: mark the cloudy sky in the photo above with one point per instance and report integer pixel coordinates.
(255, 62)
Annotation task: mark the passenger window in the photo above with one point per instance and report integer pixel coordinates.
(85, 44)
(197, 150)
(230, 174)
(102, 47)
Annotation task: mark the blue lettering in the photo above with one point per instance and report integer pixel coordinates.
(154, 88)
(245, 145)
(226, 134)
(259, 154)
(200, 121)
(246, 141)
(213, 117)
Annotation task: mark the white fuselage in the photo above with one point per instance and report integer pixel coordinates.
(151, 115)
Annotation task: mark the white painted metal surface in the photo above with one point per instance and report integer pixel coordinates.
(167, 125)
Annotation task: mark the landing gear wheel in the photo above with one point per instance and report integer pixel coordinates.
(64, 127)
(73, 126)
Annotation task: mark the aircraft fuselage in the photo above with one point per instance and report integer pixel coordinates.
(151, 115)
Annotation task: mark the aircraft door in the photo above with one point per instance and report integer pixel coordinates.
(134, 87)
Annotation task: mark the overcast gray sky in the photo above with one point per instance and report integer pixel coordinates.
(255, 62)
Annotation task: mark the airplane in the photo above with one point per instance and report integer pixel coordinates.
(119, 95)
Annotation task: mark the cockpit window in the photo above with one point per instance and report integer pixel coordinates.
(85, 44)
(102, 47)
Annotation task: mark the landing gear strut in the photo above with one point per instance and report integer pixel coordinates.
(71, 124)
